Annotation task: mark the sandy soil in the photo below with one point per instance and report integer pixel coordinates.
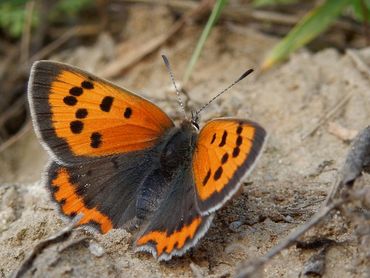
(288, 185)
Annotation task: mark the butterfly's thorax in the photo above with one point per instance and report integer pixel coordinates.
(178, 148)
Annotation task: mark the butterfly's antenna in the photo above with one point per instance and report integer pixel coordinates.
(245, 74)
(167, 63)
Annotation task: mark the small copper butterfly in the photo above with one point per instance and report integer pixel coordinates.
(119, 161)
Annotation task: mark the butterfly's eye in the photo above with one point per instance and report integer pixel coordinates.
(195, 124)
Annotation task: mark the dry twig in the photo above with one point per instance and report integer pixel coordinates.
(54, 45)
(248, 268)
(341, 132)
(359, 63)
(138, 50)
(242, 13)
(328, 115)
(26, 36)
(24, 129)
(357, 160)
(63, 235)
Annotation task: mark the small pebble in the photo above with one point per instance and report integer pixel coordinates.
(288, 219)
(123, 264)
(96, 249)
(236, 226)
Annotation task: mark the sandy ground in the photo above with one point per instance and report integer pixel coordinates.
(288, 185)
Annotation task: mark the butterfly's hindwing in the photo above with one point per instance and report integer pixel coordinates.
(177, 225)
(105, 191)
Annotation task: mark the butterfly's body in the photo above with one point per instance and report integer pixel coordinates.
(168, 158)
(119, 161)
(177, 148)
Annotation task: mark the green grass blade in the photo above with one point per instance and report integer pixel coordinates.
(206, 31)
(315, 22)
(361, 10)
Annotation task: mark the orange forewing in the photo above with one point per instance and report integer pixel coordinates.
(122, 121)
(64, 192)
(168, 242)
(223, 148)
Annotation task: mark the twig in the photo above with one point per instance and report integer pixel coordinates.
(365, 15)
(25, 128)
(141, 50)
(63, 235)
(248, 268)
(333, 191)
(11, 111)
(137, 53)
(343, 133)
(237, 13)
(357, 161)
(242, 13)
(359, 63)
(74, 242)
(85, 30)
(8, 59)
(44, 52)
(26, 33)
(328, 115)
(177, 4)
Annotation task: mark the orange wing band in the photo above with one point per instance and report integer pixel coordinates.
(72, 204)
(167, 243)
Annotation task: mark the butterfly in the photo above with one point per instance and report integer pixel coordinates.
(118, 161)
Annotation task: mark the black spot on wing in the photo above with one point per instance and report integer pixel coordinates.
(225, 157)
(106, 103)
(81, 113)
(218, 173)
(76, 91)
(236, 151)
(223, 139)
(128, 112)
(239, 140)
(95, 140)
(206, 178)
(76, 127)
(87, 85)
(70, 100)
(213, 138)
(239, 130)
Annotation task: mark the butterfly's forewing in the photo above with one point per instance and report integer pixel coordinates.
(225, 152)
(78, 115)
(177, 225)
